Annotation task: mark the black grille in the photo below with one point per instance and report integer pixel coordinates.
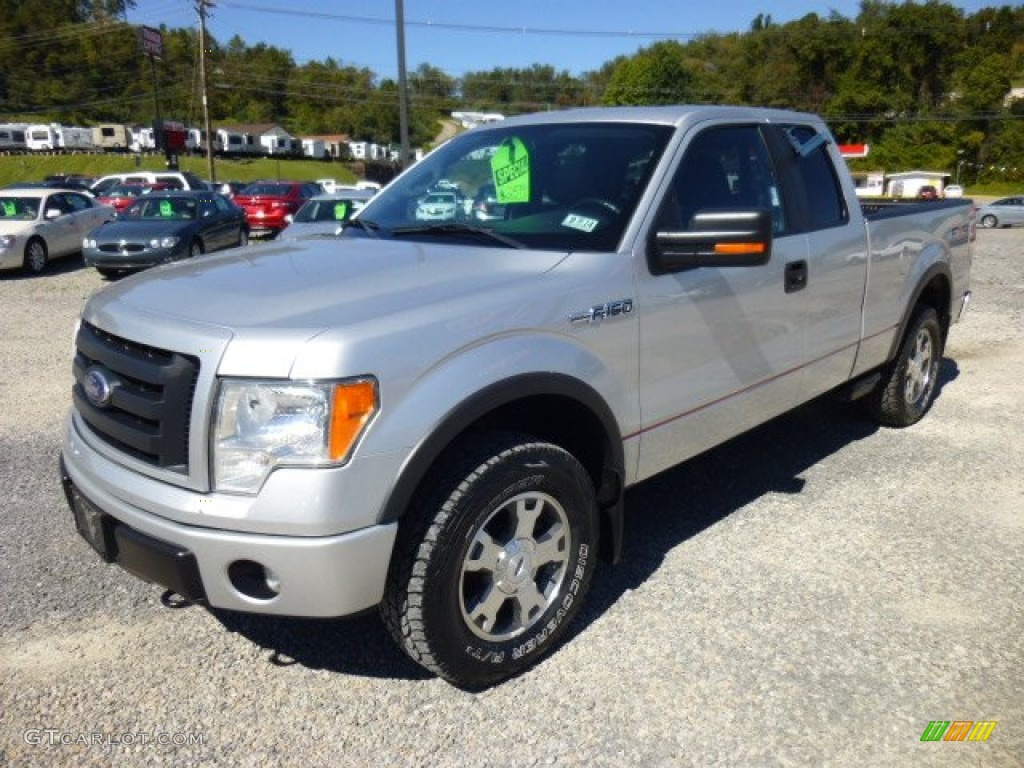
(149, 409)
(126, 248)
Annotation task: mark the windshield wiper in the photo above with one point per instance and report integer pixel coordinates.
(457, 228)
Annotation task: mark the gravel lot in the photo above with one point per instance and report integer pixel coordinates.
(813, 593)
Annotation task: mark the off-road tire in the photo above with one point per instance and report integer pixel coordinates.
(908, 384)
(493, 559)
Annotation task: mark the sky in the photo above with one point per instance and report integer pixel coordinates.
(457, 36)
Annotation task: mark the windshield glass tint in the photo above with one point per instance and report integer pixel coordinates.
(563, 186)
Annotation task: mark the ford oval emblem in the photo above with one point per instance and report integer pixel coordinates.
(98, 387)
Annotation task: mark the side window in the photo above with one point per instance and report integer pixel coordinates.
(816, 177)
(77, 202)
(728, 167)
(58, 202)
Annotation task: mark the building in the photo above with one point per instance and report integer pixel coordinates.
(909, 183)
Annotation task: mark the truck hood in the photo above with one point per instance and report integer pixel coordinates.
(307, 286)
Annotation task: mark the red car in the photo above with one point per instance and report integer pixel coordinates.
(267, 203)
(121, 196)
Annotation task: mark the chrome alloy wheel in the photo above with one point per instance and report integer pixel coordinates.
(514, 566)
(920, 376)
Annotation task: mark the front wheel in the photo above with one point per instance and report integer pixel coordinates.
(494, 559)
(195, 248)
(907, 388)
(989, 221)
(36, 257)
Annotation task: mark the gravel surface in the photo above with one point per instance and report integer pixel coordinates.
(813, 593)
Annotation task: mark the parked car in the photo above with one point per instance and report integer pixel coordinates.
(267, 203)
(437, 206)
(173, 180)
(1004, 212)
(162, 227)
(123, 195)
(42, 223)
(444, 419)
(953, 190)
(325, 214)
(928, 192)
(70, 181)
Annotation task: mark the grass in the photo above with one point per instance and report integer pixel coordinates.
(16, 168)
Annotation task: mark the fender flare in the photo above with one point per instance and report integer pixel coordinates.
(471, 410)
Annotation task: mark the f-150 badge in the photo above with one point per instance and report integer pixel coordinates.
(602, 312)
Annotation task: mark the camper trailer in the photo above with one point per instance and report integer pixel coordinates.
(13, 136)
(111, 137)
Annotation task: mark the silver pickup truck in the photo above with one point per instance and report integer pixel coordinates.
(439, 417)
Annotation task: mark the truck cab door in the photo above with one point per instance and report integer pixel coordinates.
(808, 164)
(722, 341)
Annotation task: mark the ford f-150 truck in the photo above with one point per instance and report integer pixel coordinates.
(440, 417)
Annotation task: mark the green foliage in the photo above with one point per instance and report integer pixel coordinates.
(655, 75)
(923, 82)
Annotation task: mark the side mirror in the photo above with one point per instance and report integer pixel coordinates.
(53, 213)
(716, 238)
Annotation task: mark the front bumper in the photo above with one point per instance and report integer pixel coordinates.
(13, 257)
(321, 576)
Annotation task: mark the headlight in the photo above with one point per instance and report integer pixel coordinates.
(163, 242)
(7, 241)
(88, 242)
(260, 425)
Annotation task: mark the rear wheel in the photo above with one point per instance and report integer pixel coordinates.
(494, 559)
(907, 389)
(36, 257)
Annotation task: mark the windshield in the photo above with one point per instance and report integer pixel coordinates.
(19, 208)
(267, 190)
(561, 186)
(167, 208)
(126, 190)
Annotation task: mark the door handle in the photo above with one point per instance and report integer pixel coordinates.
(796, 276)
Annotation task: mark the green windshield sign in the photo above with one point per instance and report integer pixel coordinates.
(510, 168)
(340, 210)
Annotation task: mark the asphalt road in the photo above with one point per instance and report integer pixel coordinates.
(813, 593)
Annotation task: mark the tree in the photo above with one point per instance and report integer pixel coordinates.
(655, 75)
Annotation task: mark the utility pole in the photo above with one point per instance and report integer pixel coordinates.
(201, 7)
(403, 101)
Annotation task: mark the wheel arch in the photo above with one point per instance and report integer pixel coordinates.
(552, 407)
(934, 289)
